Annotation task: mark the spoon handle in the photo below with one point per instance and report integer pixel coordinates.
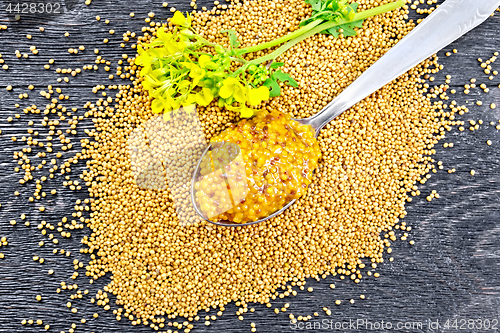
(447, 23)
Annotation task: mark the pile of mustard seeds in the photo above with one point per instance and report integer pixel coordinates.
(374, 155)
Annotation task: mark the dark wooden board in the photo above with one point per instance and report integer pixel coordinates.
(452, 271)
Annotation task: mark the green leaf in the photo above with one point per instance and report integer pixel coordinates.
(208, 82)
(273, 86)
(285, 78)
(348, 28)
(334, 11)
(233, 39)
(257, 95)
(275, 65)
(353, 9)
(315, 4)
(332, 31)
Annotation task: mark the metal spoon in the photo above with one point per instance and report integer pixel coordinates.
(447, 23)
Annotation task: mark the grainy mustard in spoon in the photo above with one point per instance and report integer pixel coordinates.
(256, 167)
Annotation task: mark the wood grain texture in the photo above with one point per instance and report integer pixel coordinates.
(452, 271)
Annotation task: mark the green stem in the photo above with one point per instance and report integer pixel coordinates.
(283, 48)
(378, 10)
(240, 60)
(200, 41)
(305, 29)
(280, 40)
